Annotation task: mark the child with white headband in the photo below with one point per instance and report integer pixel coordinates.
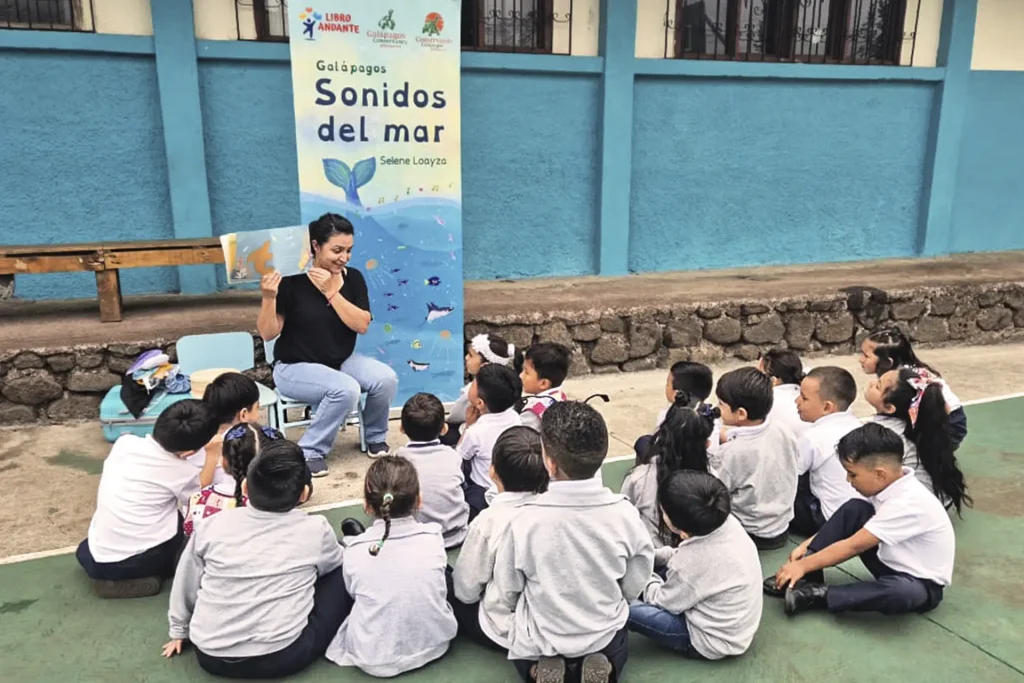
(483, 349)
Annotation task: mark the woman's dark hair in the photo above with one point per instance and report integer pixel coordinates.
(930, 435)
(695, 502)
(784, 365)
(893, 350)
(391, 490)
(681, 441)
(518, 461)
(242, 443)
(747, 388)
(327, 226)
(277, 477)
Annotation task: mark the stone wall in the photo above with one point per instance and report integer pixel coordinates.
(67, 383)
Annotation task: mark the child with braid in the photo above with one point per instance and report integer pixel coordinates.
(395, 572)
(242, 443)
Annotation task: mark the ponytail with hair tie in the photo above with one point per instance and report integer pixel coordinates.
(385, 512)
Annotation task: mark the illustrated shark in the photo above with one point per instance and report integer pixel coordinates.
(418, 367)
(435, 312)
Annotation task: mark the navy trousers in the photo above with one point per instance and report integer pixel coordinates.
(891, 592)
(807, 516)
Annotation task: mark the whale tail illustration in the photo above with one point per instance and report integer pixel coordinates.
(350, 180)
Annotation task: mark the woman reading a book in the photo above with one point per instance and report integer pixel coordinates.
(315, 317)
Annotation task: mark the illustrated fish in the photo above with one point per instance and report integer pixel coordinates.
(418, 367)
(396, 270)
(392, 307)
(453, 256)
(433, 281)
(439, 221)
(402, 247)
(402, 282)
(417, 344)
(389, 294)
(381, 351)
(388, 328)
(435, 312)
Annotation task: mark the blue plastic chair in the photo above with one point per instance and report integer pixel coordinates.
(284, 404)
(223, 350)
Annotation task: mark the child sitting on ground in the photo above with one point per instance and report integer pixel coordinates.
(910, 402)
(826, 395)
(681, 443)
(890, 349)
(136, 532)
(901, 533)
(757, 461)
(242, 443)
(438, 467)
(492, 400)
(694, 379)
(544, 370)
(259, 590)
(517, 468)
(395, 573)
(234, 399)
(709, 604)
(786, 372)
(572, 559)
(483, 349)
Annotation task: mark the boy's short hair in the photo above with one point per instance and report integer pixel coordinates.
(835, 384)
(498, 386)
(277, 477)
(185, 426)
(518, 461)
(229, 394)
(747, 388)
(575, 437)
(871, 441)
(423, 417)
(550, 361)
(695, 502)
(693, 378)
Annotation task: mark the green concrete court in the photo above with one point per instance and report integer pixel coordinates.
(52, 629)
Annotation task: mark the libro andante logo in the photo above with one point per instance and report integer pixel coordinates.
(309, 19)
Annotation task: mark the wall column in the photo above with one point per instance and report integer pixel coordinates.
(617, 44)
(177, 74)
(956, 45)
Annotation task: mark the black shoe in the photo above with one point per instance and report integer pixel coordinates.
(596, 669)
(774, 543)
(550, 670)
(130, 588)
(351, 527)
(806, 596)
(772, 591)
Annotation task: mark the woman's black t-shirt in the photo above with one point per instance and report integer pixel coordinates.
(313, 332)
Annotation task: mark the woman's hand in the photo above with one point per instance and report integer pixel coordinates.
(328, 283)
(172, 648)
(269, 284)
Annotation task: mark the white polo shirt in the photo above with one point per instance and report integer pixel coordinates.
(784, 409)
(915, 534)
(817, 451)
(137, 503)
(478, 442)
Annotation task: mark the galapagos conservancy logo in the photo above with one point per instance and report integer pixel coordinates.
(433, 26)
(386, 36)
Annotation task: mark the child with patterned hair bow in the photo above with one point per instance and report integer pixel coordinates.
(911, 402)
(482, 349)
(399, 579)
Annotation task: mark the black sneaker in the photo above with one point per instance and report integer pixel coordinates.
(131, 588)
(317, 467)
(377, 450)
(351, 527)
(596, 669)
(550, 670)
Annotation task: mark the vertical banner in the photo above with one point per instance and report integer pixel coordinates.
(377, 128)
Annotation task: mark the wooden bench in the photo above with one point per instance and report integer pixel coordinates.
(106, 259)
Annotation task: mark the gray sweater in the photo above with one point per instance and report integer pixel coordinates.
(244, 584)
(474, 569)
(568, 566)
(640, 487)
(439, 469)
(758, 466)
(401, 619)
(714, 581)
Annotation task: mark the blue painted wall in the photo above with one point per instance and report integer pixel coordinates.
(530, 174)
(733, 172)
(988, 211)
(82, 159)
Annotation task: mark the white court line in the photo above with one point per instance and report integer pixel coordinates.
(14, 559)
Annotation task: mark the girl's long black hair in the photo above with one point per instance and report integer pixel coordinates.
(242, 443)
(893, 350)
(391, 489)
(930, 435)
(681, 442)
